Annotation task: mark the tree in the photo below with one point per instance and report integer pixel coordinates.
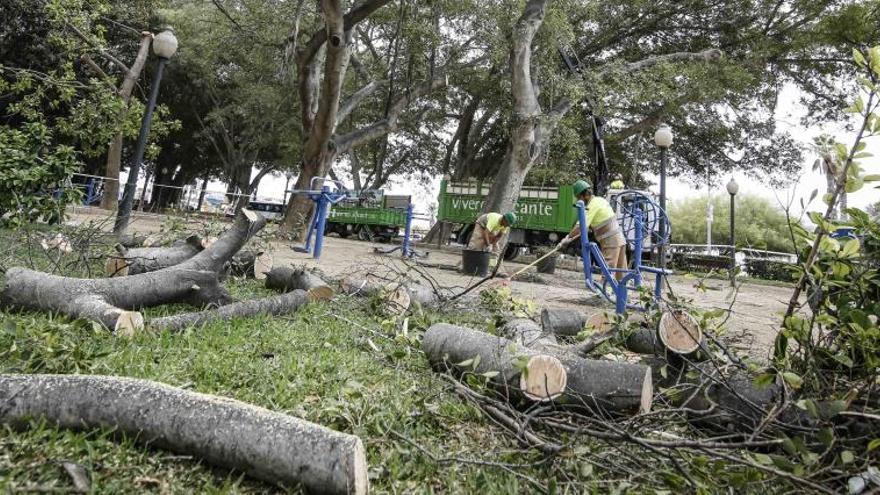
(760, 224)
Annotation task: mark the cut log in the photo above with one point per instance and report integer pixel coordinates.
(613, 386)
(680, 332)
(729, 403)
(609, 385)
(270, 446)
(425, 296)
(150, 259)
(563, 322)
(286, 303)
(466, 350)
(132, 240)
(645, 341)
(251, 264)
(285, 278)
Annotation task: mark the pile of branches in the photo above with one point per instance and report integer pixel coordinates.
(702, 417)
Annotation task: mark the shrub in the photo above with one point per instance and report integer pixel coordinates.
(770, 269)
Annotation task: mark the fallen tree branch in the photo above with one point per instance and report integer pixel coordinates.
(270, 446)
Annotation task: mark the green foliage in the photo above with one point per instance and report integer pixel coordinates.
(34, 175)
(771, 269)
(760, 224)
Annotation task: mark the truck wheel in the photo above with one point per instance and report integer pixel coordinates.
(344, 231)
(512, 252)
(365, 234)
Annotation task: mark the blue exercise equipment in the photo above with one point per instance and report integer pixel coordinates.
(406, 251)
(324, 198)
(640, 217)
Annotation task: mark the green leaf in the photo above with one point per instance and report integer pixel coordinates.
(854, 184)
(491, 374)
(858, 57)
(851, 248)
(847, 457)
(764, 380)
(836, 407)
(874, 444)
(871, 178)
(793, 380)
(466, 363)
(826, 436)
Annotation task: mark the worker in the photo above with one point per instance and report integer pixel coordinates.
(602, 220)
(618, 182)
(489, 229)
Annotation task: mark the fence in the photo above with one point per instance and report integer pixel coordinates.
(773, 265)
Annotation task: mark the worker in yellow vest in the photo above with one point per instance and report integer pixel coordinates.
(618, 183)
(489, 229)
(602, 220)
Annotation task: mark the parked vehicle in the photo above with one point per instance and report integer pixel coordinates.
(544, 214)
(371, 215)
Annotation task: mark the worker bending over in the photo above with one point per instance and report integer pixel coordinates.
(618, 182)
(489, 229)
(602, 220)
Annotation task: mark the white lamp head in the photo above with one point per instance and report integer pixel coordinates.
(663, 136)
(165, 44)
(732, 187)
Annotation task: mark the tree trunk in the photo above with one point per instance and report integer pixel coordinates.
(521, 372)
(270, 446)
(282, 304)
(110, 201)
(150, 259)
(530, 127)
(202, 192)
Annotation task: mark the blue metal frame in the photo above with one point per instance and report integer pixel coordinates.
(406, 251)
(324, 199)
(619, 288)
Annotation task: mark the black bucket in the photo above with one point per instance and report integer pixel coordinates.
(475, 262)
(547, 265)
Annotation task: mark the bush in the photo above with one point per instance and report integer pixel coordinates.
(33, 170)
(770, 269)
(700, 262)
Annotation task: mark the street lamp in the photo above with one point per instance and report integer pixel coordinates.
(164, 46)
(732, 189)
(663, 140)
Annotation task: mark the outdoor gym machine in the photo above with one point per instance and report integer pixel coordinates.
(324, 198)
(406, 251)
(639, 215)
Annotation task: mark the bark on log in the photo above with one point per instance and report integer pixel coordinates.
(143, 260)
(417, 293)
(645, 341)
(270, 446)
(132, 240)
(613, 386)
(450, 346)
(728, 403)
(285, 278)
(563, 322)
(610, 385)
(286, 303)
(425, 296)
(251, 264)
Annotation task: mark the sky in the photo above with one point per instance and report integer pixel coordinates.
(788, 115)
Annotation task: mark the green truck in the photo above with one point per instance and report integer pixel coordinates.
(545, 215)
(371, 215)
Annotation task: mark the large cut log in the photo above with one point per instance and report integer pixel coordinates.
(270, 446)
(645, 341)
(286, 303)
(285, 278)
(361, 286)
(113, 301)
(150, 259)
(521, 372)
(731, 403)
(610, 385)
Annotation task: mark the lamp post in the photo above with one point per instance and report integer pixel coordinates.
(663, 140)
(164, 46)
(732, 189)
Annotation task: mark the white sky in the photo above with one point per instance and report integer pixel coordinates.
(788, 117)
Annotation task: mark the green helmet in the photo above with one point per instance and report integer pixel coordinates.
(580, 186)
(510, 217)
